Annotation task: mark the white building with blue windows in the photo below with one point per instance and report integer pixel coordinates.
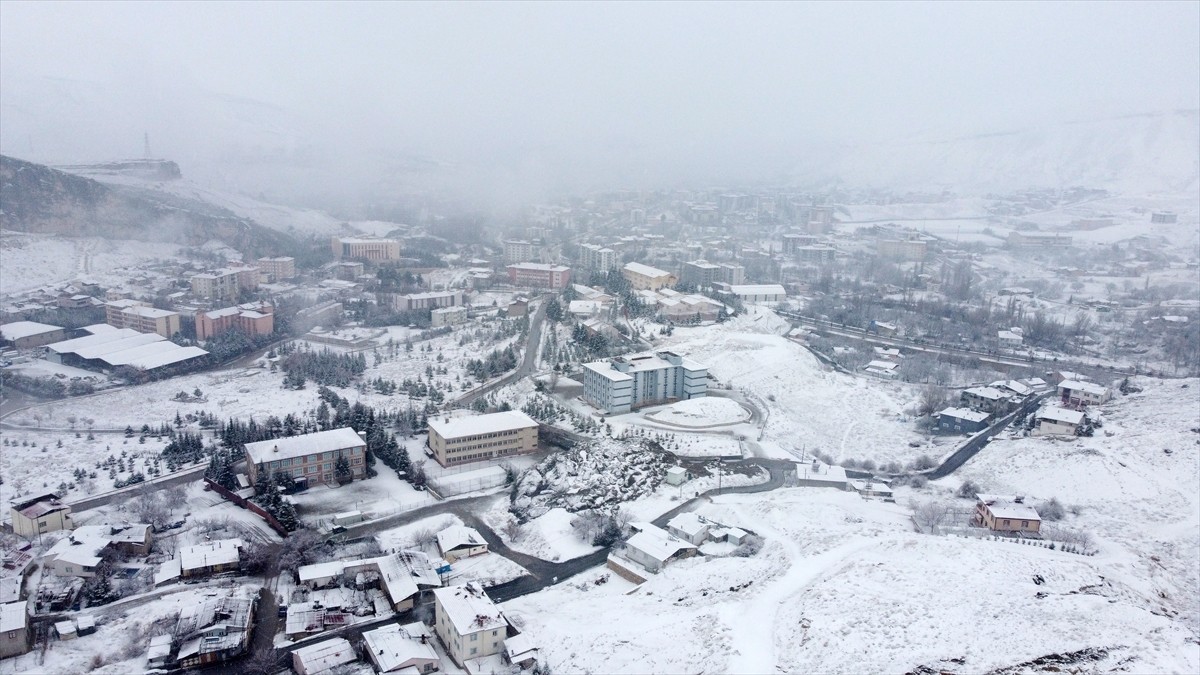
(624, 383)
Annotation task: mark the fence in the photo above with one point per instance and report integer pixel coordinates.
(248, 505)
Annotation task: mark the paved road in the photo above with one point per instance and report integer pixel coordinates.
(533, 342)
(177, 478)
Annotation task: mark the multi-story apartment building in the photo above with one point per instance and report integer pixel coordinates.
(731, 274)
(141, 317)
(792, 241)
(447, 316)
(815, 254)
(310, 458)
(429, 300)
(646, 278)
(255, 318)
(699, 273)
(366, 248)
(459, 440)
(901, 249)
(539, 275)
(225, 284)
(627, 382)
(468, 623)
(277, 268)
(1038, 240)
(595, 258)
(517, 251)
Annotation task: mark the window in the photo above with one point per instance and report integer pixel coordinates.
(474, 650)
(12, 634)
(474, 637)
(493, 633)
(1024, 523)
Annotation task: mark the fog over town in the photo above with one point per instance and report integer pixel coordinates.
(599, 337)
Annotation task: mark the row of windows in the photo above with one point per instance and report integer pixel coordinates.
(495, 434)
(479, 446)
(458, 459)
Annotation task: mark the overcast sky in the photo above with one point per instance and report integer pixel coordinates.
(498, 84)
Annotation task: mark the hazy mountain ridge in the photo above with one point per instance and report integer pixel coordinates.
(1137, 154)
(41, 199)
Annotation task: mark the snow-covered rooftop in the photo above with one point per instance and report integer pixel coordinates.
(758, 289)
(965, 414)
(688, 523)
(457, 536)
(462, 427)
(74, 345)
(469, 609)
(306, 444)
(1088, 387)
(1006, 506)
(13, 615)
(541, 267)
(656, 542)
(325, 655)
(645, 270)
(1061, 415)
(986, 393)
(23, 329)
(219, 552)
(392, 645)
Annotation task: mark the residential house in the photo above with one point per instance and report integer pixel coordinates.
(986, 399)
(214, 630)
(409, 648)
(1001, 513)
(689, 527)
(962, 420)
(43, 513)
(1081, 394)
(394, 574)
(652, 547)
(468, 623)
(881, 368)
(1055, 421)
(458, 541)
(323, 656)
(14, 628)
(1007, 338)
(521, 651)
(213, 557)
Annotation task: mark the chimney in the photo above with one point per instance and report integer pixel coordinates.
(275, 449)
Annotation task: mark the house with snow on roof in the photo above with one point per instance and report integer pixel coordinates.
(1000, 513)
(689, 527)
(962, 420)
(391, 573)
(458, 541)
(14, 628)
(653, 548)
(1054, 421)
(399, 648)
(1080, 394)
(468, 623)
(43, 513)
(323, 656)
(880, 368)
(986, 399)
(213, 557)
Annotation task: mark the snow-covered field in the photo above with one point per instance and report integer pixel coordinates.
(489, 569)
(383, 495)
(810, 407)
(700, 413)
(549, 537)
(843, 585)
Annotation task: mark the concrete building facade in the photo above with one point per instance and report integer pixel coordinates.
(517, 251)
(429, 300)
(539, 275)
(44, 513)
(277, 268)
(250, 318)
(628, 382)
(141, 317)
(646, 278)
(468, 623)
(366, 248)
(309, 457)
(478, 438)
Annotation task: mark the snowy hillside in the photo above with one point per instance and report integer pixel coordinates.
(1136, 484)
(810, 406)
(844, 586)
(33, 260)
(1138, 154)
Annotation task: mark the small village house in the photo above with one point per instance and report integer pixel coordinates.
(689, 527)
(1000, 513)
(43, 513)
(458, 541)
(962, 420)
(402, 648)
(1079, 394)
(1053, 421)
(652, 547)
(323, 656)
(14, 628)
(468, 623)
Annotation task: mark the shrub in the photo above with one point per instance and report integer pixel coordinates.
(1052, 510)
(969, 489)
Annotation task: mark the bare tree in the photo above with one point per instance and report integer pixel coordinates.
(512, 529)
(932, 400)
(930, 514)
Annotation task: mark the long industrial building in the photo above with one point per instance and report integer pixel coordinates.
(110, 347)
(628, 382)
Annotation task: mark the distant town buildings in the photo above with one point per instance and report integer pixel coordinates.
(626, 382)
(375, 250)
(309, 458)
(594, 258)
(252, 319)
(539, 275)
(225, 284)
(427, 300)
(901, 249)
(277, 269)
(1163, 218)
(517, 251)
(458, 440)
(447, 316)
(1017, 239)
(646, 278)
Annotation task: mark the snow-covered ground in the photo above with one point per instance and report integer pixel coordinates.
(489, 569)
(377, 497)
(1140, 502)
(34, 260)
(42, 465)
(549, 537)
(700, 413)
(842, 585)
(809, 406)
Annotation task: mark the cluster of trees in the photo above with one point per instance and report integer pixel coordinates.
(184, 448)
(46, 387)
(234, 343)
(324, 367)
(497, 362)
(268, 495)
(601, 527)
